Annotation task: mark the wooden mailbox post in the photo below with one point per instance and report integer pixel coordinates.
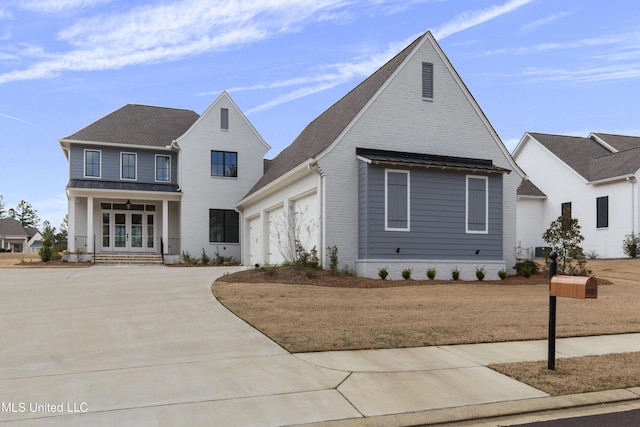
(565, 286)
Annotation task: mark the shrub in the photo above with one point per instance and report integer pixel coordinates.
(333, 259)
(631, 245)
(383, 273)
(188, 259)
(406, 273)
(205, 258)
(564, 236)
(480, 273)
(531, 265)
(526, 271)
(502, 274)
(431, 273)
(455, 273)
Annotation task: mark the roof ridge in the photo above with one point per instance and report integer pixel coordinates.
(323, 130)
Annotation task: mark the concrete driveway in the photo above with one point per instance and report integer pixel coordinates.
(131, 345)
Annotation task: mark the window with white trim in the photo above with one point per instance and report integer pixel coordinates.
(128, 162)
(163, 168)
(477, 216)
(397, 200)
(92, 163)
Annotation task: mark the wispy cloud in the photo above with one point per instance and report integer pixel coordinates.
(152, 34)
(364, 66)
(49, 6)
(6, 116)
(605, 40)
(544, 21)
(471, 19)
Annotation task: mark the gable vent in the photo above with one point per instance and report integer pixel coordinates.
(427, 80)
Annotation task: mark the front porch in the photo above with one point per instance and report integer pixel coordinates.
(119, 224)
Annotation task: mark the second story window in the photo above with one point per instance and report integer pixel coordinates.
(128, 165)
(224, 163)
(92, 163)
(163, 168)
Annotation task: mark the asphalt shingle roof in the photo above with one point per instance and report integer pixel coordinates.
(138, 125)
(592, 160)
(11, 227)
(528, 188)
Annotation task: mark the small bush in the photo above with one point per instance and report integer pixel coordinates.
(631, 245)
(531, 265)
(205, 258)
(406, 273)
(431, 273)
(526, 271)
(188, 259)
(383, 273)
(455, 273)
(502, 274)
(480, 273)
(333, 259)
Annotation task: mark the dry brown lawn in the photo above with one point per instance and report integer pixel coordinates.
(328, 313)
(30, 259)
(315, 312)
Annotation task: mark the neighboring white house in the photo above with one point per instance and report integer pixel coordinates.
(405, 171)
(149, 179)
(594, 179)
(16, 238)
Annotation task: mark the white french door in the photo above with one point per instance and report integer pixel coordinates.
(128, 231)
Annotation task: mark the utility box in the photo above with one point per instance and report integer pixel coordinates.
(573, 287)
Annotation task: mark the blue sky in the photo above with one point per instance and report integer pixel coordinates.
(566, 67)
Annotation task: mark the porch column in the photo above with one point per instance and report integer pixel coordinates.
(165, 225)
(90, 224)
(71, 232)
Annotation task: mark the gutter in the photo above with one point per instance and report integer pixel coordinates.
(280, 182)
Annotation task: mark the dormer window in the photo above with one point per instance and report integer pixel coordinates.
(427, 81)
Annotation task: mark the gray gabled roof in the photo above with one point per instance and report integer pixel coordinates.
(137, 125)
(593, 160)
(11, 228)
(528, 188)
(321, 132)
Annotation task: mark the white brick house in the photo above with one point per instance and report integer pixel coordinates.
(412, 120)
(593, 179)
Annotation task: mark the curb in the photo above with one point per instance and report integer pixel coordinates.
(489, 410)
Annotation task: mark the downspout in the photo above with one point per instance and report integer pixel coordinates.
(315, 167)
(633, 182)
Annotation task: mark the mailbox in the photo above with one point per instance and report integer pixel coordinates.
(573, 287)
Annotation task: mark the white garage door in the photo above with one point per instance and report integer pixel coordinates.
(307, 222)
(276, 232)
(255, 239)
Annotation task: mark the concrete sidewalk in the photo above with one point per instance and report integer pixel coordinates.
(151, 346)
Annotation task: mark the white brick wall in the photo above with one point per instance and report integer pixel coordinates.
(201, 191)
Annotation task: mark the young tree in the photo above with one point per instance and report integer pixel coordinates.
(564, 236)
(26, 214)
(48, 234)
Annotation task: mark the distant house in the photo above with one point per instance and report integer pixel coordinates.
(161, 180)
(16, 238)
(405, 171)
(593, 179)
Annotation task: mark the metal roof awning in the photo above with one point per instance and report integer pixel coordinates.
(127, 186)
(427, 160)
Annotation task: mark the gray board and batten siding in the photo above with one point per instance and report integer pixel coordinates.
(437, 216)
(110, 164)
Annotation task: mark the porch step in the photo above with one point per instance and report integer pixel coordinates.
(129, 258)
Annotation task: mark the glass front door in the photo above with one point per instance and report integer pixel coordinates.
(128, 231)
